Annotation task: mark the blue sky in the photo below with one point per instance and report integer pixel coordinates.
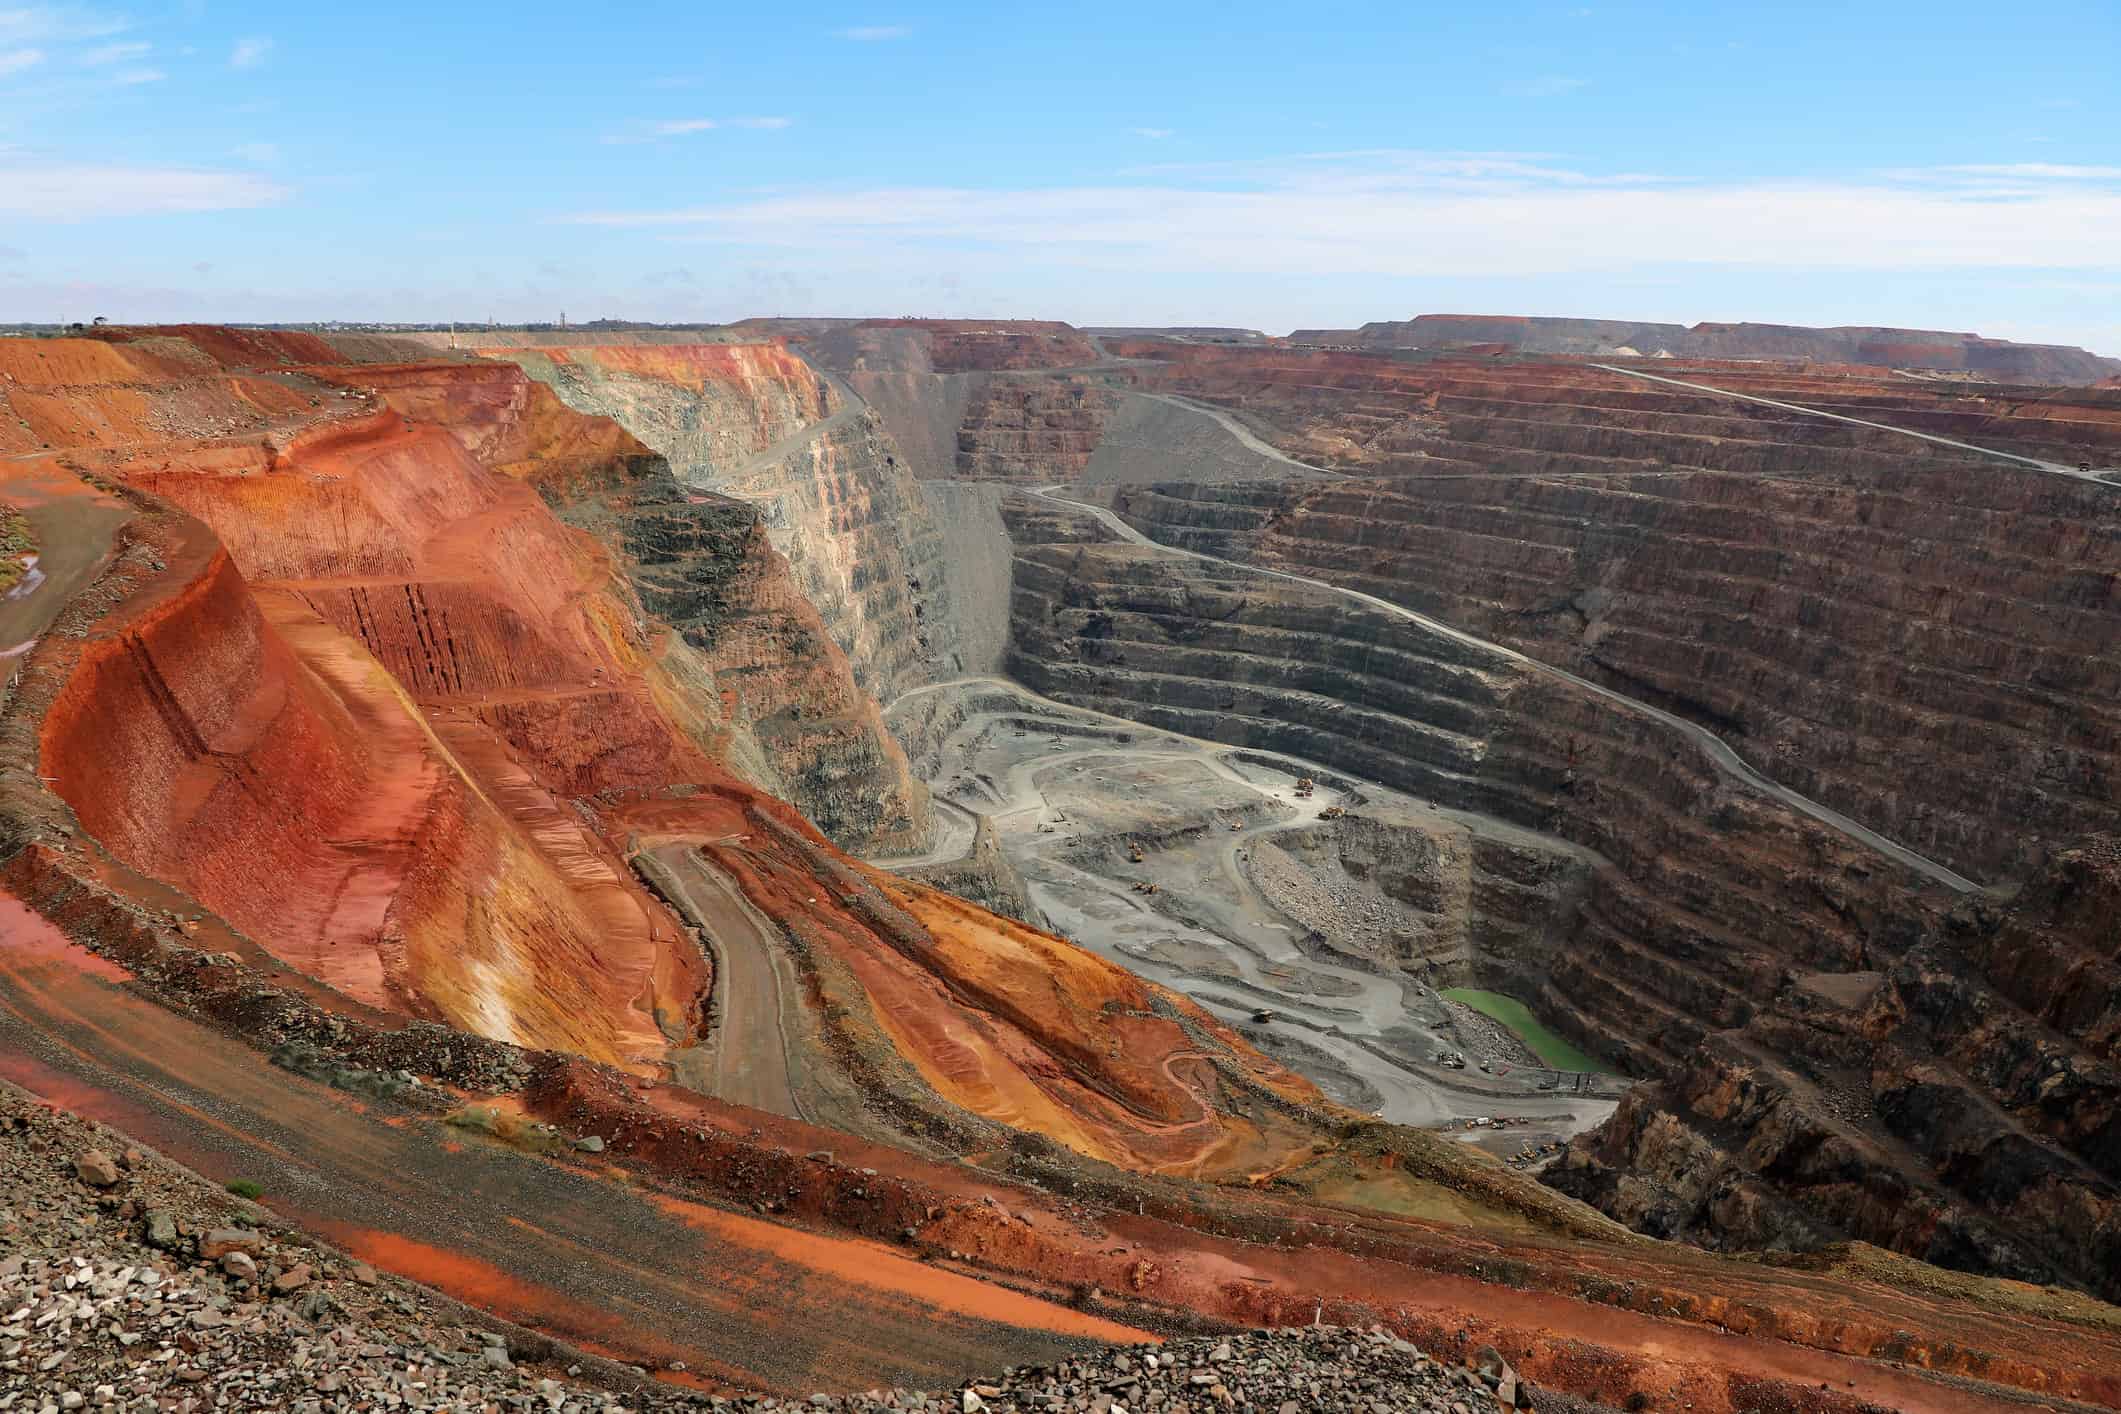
(1941, 164)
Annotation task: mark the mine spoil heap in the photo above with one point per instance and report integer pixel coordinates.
(438, 789)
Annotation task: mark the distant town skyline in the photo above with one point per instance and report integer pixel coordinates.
(1889, 164)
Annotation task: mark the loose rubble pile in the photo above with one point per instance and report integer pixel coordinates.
(1293, 1371)
(1491, 1042)
(1361, 922)
(130, 1284)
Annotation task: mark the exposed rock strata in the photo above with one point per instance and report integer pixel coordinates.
(1034, 430)
(705, 407)
(1937, 666)
(1892, 348)
(1701, 904)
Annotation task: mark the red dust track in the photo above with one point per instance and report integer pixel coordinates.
(554, 1247)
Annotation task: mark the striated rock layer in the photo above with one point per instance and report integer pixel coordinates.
(1919, 637)
(1892, 348)
(755, 422)
(1922, 640)
(1710, 934)
(705, 407)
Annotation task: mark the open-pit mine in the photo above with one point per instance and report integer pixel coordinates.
(811, 856)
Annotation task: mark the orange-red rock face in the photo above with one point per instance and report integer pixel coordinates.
(365, 694)
(707, 407)
(270, 727)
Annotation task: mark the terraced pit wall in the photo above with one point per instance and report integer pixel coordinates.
(1927, 642)
(1694, 938)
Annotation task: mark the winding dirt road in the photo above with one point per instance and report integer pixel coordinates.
(1245, 436)
(1718, 752)
(2053, 468)
(750, 1064)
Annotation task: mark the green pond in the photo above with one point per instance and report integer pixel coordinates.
(1550, 1048)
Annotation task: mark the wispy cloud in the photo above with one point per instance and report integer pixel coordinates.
(873, 34)
(75, 192)
(1441, 214)
(16, 61)
(249, 53)
(43, 24)
(1153, 134)
(132, 77)
(1549, 86)
(115, 54)
(261, 154)
(2026, 171)
(688, 127)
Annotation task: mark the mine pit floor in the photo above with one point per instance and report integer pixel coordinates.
(1071, 803)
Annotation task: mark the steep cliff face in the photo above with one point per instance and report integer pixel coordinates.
(232, 728)
(706, 407)
(858, 537)
(771, 690)
(969, 400)
(760, 681)
(754, 421)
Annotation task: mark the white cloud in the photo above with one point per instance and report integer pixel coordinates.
(261, 154)
(688, 127)
(83, 191)
(60, 23)
(115, 54)
(1153, 134)
(249, 53)
(872, 34)
(1427, 214)
(132, 77)
(1551, 86)
(15, 61)
(2030, 171)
